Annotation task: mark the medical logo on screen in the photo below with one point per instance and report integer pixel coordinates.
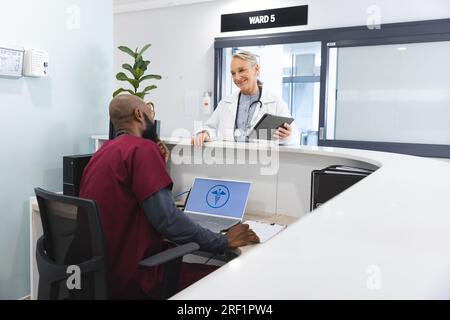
(217, 196)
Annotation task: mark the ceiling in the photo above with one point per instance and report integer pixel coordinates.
(136, 5)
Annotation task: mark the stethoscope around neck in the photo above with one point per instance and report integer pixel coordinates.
(237, 132)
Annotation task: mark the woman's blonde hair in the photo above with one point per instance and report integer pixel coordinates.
(246, 56)
(249, 57)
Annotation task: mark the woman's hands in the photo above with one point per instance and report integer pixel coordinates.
(283, 132)
(200, 138)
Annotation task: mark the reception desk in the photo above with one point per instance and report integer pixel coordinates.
(280, 176)
(386, 237)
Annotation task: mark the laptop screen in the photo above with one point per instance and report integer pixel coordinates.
(218, 197)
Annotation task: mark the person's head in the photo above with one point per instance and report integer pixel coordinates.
(245, 71)
(130, 114)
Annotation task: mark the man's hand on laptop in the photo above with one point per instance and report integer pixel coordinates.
(241, 235)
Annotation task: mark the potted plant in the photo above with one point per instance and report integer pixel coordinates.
(137, 75)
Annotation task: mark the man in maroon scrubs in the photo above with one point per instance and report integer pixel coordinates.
(128, 179)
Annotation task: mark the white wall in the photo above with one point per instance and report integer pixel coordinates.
(46, 118)
(183, 37)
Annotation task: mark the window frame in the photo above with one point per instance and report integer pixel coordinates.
(392, 33)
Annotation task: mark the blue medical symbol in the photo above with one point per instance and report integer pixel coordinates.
(217, 196)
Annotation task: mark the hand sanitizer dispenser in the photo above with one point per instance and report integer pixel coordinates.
(206, 103)
(35, 63)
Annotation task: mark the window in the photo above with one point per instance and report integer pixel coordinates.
(390, 93)
(384, 89)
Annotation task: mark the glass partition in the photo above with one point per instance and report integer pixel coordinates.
(390, 93)
(384, 89)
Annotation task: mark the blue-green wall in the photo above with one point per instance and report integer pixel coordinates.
(43, 119)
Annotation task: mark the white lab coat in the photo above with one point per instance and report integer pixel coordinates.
(220, 126)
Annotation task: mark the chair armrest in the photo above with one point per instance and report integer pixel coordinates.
(169, 254)
(49, 269)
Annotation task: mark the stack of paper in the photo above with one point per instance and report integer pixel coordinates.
(264, 230)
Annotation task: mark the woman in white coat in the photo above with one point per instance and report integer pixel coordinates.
(237, 114)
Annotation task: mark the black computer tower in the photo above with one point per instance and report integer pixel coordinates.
(73, 167)
(329, 182)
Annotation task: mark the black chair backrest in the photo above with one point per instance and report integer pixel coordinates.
(329, 182)
(73, 236)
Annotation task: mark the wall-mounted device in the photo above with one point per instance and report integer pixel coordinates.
(35, 63)
(11, 61)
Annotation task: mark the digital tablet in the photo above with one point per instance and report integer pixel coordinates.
(267, 125)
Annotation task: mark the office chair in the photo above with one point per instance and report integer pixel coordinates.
(73, 236)
(329, 182)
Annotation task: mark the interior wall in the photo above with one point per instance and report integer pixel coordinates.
(47, 118)
(183, 38)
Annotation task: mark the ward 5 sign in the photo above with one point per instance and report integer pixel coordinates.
(261, 19)
(271, 18)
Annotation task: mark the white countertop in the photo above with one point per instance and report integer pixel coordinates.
(360, 155)
(387, 237)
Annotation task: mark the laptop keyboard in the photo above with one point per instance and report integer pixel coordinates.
(212, 223)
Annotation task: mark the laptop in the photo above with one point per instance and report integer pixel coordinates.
(216, 204)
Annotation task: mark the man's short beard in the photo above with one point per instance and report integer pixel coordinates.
(150, 130)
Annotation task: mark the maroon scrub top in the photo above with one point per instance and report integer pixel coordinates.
(119, 177)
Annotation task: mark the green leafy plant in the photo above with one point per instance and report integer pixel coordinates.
(137, 72)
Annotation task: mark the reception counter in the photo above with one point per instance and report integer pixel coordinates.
(280, 175)
(386, 237)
